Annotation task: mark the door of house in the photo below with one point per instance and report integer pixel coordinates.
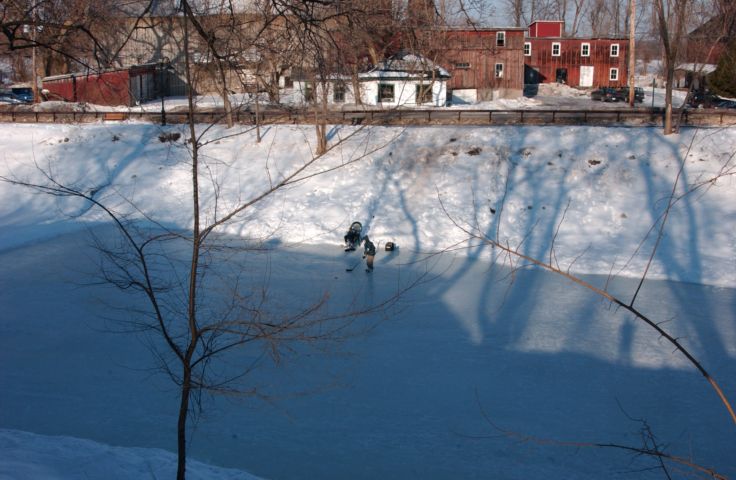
(586, 75)
(561, 75)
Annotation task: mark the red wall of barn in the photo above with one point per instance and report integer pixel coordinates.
(478, 49)
(111, 88)
(570, 58)
(60, 89)
(546, 29)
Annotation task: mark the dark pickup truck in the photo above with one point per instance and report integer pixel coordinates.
(638, 94)
(607, 94)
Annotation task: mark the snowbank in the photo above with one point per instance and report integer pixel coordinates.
(27, 456)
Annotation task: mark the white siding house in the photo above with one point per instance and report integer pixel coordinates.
(404, 80)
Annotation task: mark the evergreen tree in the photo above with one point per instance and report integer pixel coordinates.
(723, 81)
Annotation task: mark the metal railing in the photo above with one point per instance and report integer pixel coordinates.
(621, 117)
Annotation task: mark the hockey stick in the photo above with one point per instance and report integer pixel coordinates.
(350, 269)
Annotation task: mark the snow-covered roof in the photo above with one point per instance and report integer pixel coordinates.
(165, 8)
(406, 65)
(697, 67)
(402, 66)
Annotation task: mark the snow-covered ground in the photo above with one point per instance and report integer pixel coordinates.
(414, 397)
(29, 456)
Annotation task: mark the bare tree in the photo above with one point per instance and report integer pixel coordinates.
(515, 9)
(579, 9)
(70, 35)
(671, 17)
(202, 309)
(650, 447)
(57, 34)
(200, 306)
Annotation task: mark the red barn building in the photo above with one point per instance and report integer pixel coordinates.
(484, 63)
(128, 86)
(578, 62)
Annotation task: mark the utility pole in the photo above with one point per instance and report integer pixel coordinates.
(632, 52)
(34, 75)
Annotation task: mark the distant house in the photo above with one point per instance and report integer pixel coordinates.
(484, 63)
(402, 80)
(579, 62)
(692, 75)
(706, 44)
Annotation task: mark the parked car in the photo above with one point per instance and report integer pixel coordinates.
(16, 95)
(24, 94)
(6, 96)
(607, 94)
(638, 94)
(702, 100)
(723, 103)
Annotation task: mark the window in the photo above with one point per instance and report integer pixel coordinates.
(385, 93)
(527, 49)
(585, 50)
(555, 49)
(462, 65)
(500, 39)
(288, 82)
(308, 92)
(499, 70)
(613, 74)
(614, 49)
(424, 94)
(338, 95)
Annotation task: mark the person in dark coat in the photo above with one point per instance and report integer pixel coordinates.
(369, 252)
(352, 238)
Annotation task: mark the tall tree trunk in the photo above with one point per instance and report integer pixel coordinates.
(320, 121)
(670, 37)
(186, 381)
(225, 94)
(632, 52)
(181, 426)
(670, 76)
(258, 115)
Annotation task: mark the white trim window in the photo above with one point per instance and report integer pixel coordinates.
(385, 92)
(585, 50)
(499, 70)
(500, 39)
(556, 48)
(614, 49)
(613, 74)
(462, 65)
(338, 92)
(423, 94)
(527, 49)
